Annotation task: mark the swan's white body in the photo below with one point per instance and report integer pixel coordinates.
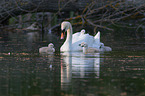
(49, 49)
(72, 41)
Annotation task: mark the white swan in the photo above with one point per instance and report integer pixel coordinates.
(87, 49)
(72, 41)
(49, 49)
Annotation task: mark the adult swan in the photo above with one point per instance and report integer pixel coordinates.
(72, 41)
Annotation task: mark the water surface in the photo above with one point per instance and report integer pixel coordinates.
(25, 72)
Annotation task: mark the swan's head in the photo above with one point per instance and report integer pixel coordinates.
(65, 26)
(83, 44)
(50, 45)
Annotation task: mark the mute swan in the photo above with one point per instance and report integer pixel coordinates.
(72, 41)
(87, 49)
(49, 49)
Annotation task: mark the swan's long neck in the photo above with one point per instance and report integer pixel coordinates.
(69, 35)
(69, 38)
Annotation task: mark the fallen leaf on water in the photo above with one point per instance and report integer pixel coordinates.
(123, 94)
(1, 57)
(24, 53)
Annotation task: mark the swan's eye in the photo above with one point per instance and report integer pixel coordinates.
(63, 30)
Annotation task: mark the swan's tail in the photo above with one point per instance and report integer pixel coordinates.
(97, 40)
(97, 36)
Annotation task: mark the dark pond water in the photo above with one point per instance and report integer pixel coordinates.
(25, 72)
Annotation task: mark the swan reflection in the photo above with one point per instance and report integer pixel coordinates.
(78, 65)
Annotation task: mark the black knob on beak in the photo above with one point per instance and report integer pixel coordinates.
(62, 31)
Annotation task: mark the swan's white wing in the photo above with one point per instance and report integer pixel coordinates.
(75, 36)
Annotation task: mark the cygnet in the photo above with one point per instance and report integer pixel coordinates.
(48, 49)
(87, 49)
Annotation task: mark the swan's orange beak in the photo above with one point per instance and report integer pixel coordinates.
(62, 34)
